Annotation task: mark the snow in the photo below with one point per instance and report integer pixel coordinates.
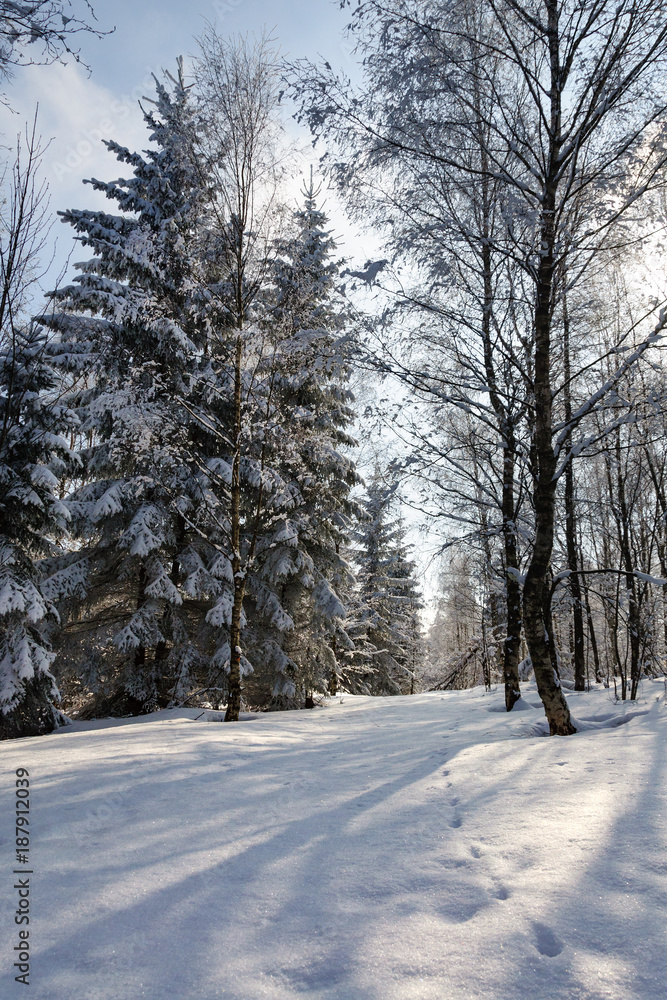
(408, 848)
(370, 271)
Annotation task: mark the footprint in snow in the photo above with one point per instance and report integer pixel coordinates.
(456, 822)
(547, 941)
(460, 912)
(476, 851)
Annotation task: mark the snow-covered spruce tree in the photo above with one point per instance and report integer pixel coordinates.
(273, 409)
(251, 540)
(310, 321)
(387, 631)
(33, 454)
(138, 315)
(265, 434)
(266, 372)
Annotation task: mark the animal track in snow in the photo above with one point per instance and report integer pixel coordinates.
(547, 941)
(460, 912)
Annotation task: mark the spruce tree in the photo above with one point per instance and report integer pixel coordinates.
(293, 479)
(137, 317)
(310, 319)
(33, 455)
(387, 630)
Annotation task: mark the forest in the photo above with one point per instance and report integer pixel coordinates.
(184, 516)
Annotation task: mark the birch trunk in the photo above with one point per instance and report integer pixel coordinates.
(536, 588)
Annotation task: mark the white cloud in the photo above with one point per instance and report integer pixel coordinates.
(75, 114)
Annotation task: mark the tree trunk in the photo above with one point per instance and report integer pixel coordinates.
(579, 657)
(591, 632)
(140, 651)
(634, 624)
(162, 648)
(536, 595)
(578, 652)
(512, 644)
(234, 682)
(661, 542)
(613, 628)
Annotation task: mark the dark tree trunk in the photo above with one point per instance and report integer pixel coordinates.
(234, 682)
(512, 644)
(578, 652)
(140, 651)
(634, 623)
(536, 594)
(657, 476)
(502, 409)
(591, 632)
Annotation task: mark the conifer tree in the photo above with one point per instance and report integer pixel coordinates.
(33, 455)
(312, 367)
(136, 317)
(274, 405)
(249, 501)
(293, 479)
(387, 631)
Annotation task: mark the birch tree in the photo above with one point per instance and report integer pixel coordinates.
(34, 32)
(573, 138)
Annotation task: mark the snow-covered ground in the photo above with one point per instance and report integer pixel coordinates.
(374, 849)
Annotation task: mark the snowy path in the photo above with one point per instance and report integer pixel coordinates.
(418, 848)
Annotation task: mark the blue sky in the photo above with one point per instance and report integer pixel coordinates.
(77, 110)
(150, 32)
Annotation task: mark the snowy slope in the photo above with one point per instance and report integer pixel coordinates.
(423, 848)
